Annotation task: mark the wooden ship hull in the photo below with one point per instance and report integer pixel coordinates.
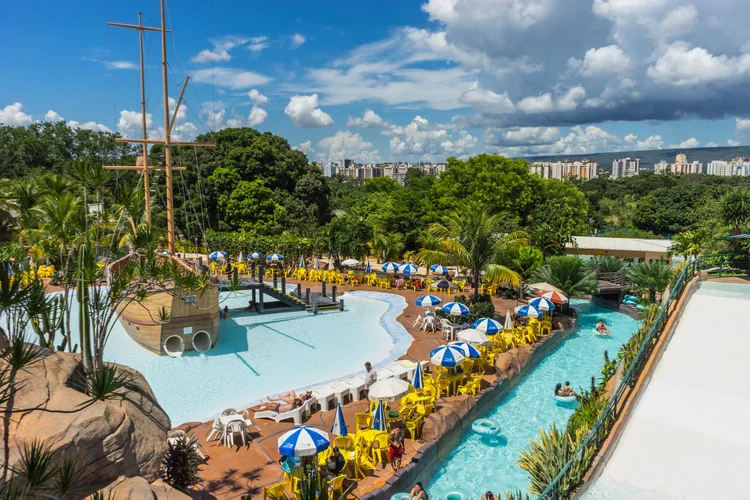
(189, 327)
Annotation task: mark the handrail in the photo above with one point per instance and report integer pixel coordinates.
(609, 414)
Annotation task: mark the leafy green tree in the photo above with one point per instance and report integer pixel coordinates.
(651, 277)
(251, 207)
(473, 239)
(387, 246)
(690, 243)
(735, 209)
(569, 274)
(524, 260)
(346, 236)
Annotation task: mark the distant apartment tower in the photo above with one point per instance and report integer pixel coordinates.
(720, 168)
(679, 167)
(626, 167)
(583, 169)
(329, 169)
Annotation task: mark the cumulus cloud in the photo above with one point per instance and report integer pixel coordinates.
(370, 119)
(732, 142)
(419, 138)
(258, 44)
(686, 66)
(96, 127)
(609, 60)
(545, 103)
(257, 98)
(712, 144)
(305, 147)
(537, 141)
(257, 116)
(13, 114)
(689, 143)
(487, 100)
(53, 116)
(346, 144)
(230, 77)
(651, 142)
(305, 113)
(297, 40)
(129, 124)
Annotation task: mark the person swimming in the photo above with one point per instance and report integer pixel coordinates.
(602, 328)
(564, 391)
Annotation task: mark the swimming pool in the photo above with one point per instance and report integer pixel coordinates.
(260, 355)
(481, 463)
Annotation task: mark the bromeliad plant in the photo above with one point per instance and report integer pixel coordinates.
(180, 467)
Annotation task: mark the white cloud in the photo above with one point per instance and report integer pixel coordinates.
(485, 100)
(220, 50)
(370, 120)
(257, 116)
(712, 144)
(305, 113)
(549, 141)
(732, 142)
(305, 147)
(235, 123)
(215, 119)
(230, 77)
(13, 114)
(742, 125)
(689, 143)
(678, 22)
(96, 127)
(523, 136)
(609, 60)
(129, 124)
(53, 116)
(545, 103)
(681, 65)
(258, 44)
(297, 40)
(120, 65)
(651, 142)
(257, 98)
(422, 139)
(345, 144)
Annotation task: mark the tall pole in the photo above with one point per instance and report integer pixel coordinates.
(146, 186)
(167, 148)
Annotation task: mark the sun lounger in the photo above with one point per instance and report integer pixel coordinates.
(297, 414)
(341, 390)
(398, 371)
(322, 397)
(356, 387)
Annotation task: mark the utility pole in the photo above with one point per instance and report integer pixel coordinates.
(168, 124)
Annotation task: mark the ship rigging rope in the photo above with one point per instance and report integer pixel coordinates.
(189, 196)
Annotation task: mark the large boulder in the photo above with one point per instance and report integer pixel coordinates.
(509, 363)
(122, 437)
(451, 412)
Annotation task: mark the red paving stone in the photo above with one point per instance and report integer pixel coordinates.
(244, 470)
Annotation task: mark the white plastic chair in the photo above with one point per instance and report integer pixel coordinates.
(228, 411)
(217, 431)
(236, 427)
(418, 322)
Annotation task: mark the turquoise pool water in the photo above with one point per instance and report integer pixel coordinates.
(480, 463)
(257, 356)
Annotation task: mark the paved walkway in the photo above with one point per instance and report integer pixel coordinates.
(687, 437)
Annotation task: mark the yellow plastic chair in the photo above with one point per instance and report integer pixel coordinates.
(445, 387)
(362, 461)
(275, 492)
(363, 420)
(336, 486)
(414, 423)
(343, 443)
(379, 448)
(545, 328)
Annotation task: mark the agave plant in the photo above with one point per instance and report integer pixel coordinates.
(180, 467)
(104, 383)
(515, 495)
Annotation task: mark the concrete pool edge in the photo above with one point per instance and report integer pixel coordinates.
(427, 459)
(607, 448)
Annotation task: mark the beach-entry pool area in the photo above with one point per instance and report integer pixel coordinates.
(481, 463)
(260, 355)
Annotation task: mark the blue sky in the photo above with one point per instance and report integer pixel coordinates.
(396, 80)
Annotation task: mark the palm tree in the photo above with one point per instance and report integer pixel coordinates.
(569, 274)
(608, 264)
(651, 277)
(689, 243)
(735, 209)
(474, 239)
(387, 246)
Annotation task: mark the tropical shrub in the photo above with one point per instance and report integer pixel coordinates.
(569, 274)
(479, 307)
(608, 264)
(181, 464)
(651, 277)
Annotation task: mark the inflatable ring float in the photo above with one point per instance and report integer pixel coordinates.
(456, 495)
(485, 426)
(565, 399)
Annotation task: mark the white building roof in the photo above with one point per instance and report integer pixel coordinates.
(620, 244)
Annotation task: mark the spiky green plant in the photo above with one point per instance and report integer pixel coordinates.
(608, 264)
(69, 473)
(652, 277)
(569, 275)
(36, 468)
(83, 294)
(515, 495)
(180, 467)
(103, 383)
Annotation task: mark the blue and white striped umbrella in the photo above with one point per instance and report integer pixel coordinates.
(467, 349)
(417, 380)
(528, 311)
(428, 300)
(367, 269)
(317, 263)
(542, 303)
(303, 441)
(274, 257)
(439, 269)
(389, 266)
(378, 417)
(302, 261)
(447, 355)
(408, 269)
(455, 309)
(487, 325)
(339, 426)
(218, 255)
(256, 255)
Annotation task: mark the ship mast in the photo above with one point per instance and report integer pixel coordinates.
(168, 124)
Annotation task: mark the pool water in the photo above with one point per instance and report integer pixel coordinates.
(482, 463)
(260, 355)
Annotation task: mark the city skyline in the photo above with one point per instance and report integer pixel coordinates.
(413, 81)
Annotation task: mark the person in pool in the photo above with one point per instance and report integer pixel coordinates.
(489, 496)
(418, 493)
(564, 391)
(602, 328)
